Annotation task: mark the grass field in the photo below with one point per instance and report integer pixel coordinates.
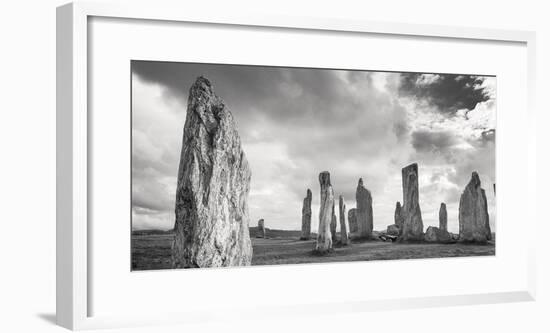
(152, 250)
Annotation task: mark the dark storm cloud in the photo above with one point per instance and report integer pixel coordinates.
(448, 92)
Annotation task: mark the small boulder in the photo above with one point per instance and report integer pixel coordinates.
(436, 235)
(393, 229)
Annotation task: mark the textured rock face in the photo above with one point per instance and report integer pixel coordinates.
(344, 238)
(473, 217)
(413, 228)
(211, 227)
(398, 215)
(261, 229)
(443, 216)
(393, 230)
(333, 224)
(306, 216)
(436, 235)
(324, 238)
(352, 220)
(364, 210)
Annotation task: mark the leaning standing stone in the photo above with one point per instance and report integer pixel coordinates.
(364, 210)
(324, 239)
(211, 227)
(306, 216)
(443, 216)
(473, 217)
(261, 229)
(413, 228)
(344, 239)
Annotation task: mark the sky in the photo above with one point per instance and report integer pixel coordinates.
(297, 122)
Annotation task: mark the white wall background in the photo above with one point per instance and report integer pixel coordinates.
(27, 168)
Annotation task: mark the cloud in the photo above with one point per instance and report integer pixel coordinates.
(295, 123)
(448, 92)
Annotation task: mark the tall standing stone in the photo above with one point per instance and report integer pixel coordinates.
(261, 229)
(211, 227)
(344, 239)
(413, 228)
(364, 210)
(398, 215)
(352, 220)
(473, 216)
(333, 224)
(443, 217)
(306, 216)
(324, 239)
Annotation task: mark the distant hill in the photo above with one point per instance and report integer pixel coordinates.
(277, 233)
(146, 232)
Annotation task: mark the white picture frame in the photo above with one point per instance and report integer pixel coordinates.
(73, 285)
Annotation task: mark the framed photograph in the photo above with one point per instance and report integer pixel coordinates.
(251, 165)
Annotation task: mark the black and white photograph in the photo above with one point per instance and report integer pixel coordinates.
(238, 165)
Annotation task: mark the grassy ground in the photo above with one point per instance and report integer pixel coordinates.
(152, 251)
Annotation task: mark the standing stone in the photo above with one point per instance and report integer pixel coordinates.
(333, 224)
(352, 220)
(324, 239)
(413, 228)
(344, 239)
(473, 217)
(364, 210)
(261, 229)
(211, 227)
(306, 216)
(398, 215)
(443, 217)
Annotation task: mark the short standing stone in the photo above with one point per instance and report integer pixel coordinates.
(324, 239)
(333, 224)
(443, 216)
(352, 220)
(306, 216)
(364, 210)
(261, 229)
(413, 228)
(213, 182)
(344, 238)
(473, 217)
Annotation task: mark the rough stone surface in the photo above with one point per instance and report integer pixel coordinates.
(393, 230)
(413, 228)
(333, 224)
(352, 221)
(364, 211)
(436, 235)
(306, 216)
(344, 237)
(261, 229)
(398, 215)
(211, 227)
(473, 217)
(324, 239)
(443, 216)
